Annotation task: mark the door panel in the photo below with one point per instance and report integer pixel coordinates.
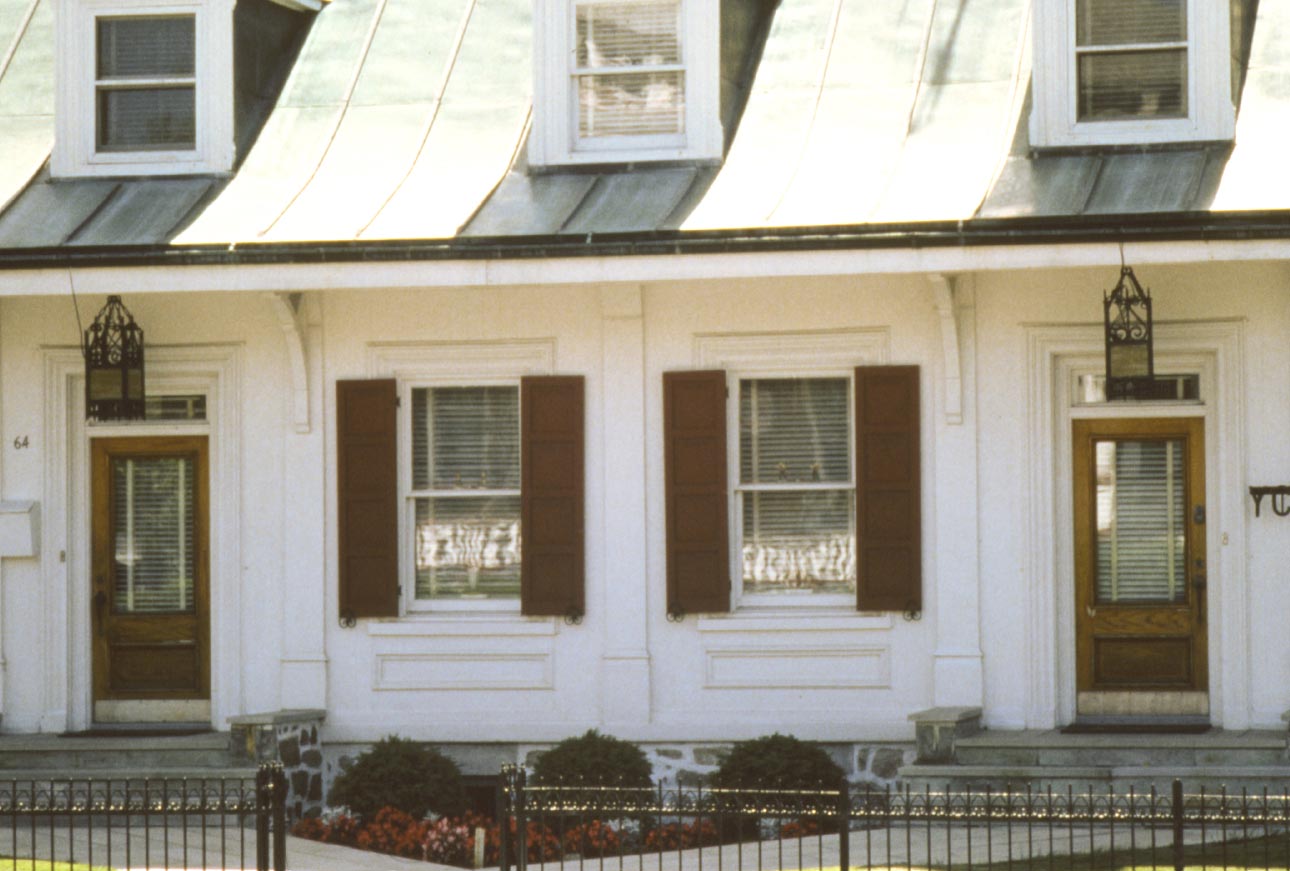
(149, 573)
(1139, 493)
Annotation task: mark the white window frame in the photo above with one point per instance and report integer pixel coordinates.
(1211, 114)
(409, 497)
(735, 379)
(76, 106)
(554, 140)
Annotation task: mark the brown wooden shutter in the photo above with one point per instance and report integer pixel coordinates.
(367, 472)
(888, 511)
(552, 562)
(694, 458)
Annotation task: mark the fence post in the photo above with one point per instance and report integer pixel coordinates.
(521, 824)
(844, 827)
(1177, 812)
(505, 785)
(279, 817)
(263, 795)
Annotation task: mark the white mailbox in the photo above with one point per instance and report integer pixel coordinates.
(19, 528)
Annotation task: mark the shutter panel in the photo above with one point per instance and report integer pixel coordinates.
(552, 563)
(888, 511)
(694, 457)
(367, 508)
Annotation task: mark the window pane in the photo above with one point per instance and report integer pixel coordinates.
(631, 104)
(468, 547)
(801, 542)
(466, 438)
(628, 34)
(1133, 84)
(147, 47)
(152, 508)
(1128, 22)
(793, 430)
(146, 119)
(1141, 521)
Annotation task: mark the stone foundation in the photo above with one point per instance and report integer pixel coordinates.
(289, 737)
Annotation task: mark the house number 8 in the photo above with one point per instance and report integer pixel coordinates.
(20, 442)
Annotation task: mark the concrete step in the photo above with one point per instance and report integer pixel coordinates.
(1253, 779)
(1054, 748)
(74, 755)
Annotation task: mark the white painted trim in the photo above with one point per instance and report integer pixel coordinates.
(211, 369)
(942, 289)
(1054, 353)
(553, 140)
(75, 152)
(609, 271)
(1211, 113)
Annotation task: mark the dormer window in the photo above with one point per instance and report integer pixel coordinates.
(625, 80)
(1131, 72)
(146, 88)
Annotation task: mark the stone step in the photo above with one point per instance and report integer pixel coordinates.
(75, 754)
(137, 777)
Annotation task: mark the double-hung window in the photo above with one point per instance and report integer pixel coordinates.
(145, 87)
(464, 498)
(795, 490)
(1128, 72)
(625, 80)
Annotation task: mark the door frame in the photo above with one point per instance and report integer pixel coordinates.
(65, 602)
(1055, 355)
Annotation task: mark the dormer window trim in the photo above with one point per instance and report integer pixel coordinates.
(564, 130)
(1209, 113)
(82, 82)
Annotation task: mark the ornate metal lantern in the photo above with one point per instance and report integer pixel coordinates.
(1130, 369)
(114, 365)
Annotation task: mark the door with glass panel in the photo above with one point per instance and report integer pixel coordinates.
(1140, 567)
(150, 589)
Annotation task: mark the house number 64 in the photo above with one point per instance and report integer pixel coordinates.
(20, 442)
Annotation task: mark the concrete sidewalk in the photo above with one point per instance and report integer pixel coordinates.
(897, 847)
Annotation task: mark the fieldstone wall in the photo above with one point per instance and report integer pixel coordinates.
(688, 764)
(289, 737)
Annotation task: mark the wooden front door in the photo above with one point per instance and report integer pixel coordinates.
(149, 601)
(1140, 567)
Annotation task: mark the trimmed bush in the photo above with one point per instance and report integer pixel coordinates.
(593, 760)
(778, 761)
(401, 774)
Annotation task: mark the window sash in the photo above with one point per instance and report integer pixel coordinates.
(1131, 60)
(475, 556)
(783, 562)
(145, 85)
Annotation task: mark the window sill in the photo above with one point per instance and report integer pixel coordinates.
(783, 619)
(421, 624)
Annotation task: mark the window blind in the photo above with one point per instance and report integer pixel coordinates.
(1139, 80)
(146, 47)
(1128, 22)
(797, 497)
(152, 503)
(466, 471)
(1141, 521)
(628, 69)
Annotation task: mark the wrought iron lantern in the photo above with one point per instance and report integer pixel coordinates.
(114, 365)
(1130, 369)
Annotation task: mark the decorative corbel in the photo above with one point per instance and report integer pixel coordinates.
(287, 308)
(942, 290)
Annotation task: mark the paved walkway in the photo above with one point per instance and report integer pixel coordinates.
(919, 847)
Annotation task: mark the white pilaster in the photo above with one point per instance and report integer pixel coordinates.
(625, 675)
(958, 678)
(304, 657)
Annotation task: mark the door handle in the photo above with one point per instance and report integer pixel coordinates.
(1199, 583)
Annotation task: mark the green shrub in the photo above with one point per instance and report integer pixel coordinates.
(778, 761)
(401, 774)
(594, 760)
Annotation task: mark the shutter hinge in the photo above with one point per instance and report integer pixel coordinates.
(398, 402)
(399, 591)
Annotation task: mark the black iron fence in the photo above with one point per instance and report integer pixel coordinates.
(144, 823)
(682, 828)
